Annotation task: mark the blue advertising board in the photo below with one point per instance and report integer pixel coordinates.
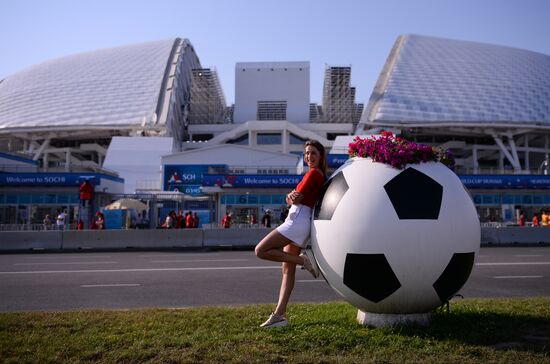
(291, 180)
(187, 178)
(251, 180)
(336, 160)
(506, 181)
(47, 179)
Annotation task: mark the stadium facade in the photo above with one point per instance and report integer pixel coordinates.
(154, 116)
(489, 104)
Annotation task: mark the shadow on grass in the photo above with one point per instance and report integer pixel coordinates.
(500, 331)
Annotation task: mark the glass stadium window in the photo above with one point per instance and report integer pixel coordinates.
(202, 137)
(527, 199)
(294, 139)
(332, 136)
(269, 138)
(271, 110)
(487, 200)
(217, 170)
(278, 199)
(538, 200)
(242, 140)
(38, 198)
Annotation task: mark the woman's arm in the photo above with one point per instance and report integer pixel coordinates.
(294, 197)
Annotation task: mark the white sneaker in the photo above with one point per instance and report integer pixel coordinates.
(275, 321)
(309, 263)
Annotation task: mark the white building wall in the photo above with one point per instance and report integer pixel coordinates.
(272, 81)
(234, 155)
(137, 159)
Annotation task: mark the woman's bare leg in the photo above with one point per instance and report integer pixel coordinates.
(271, 248)
(289, 278)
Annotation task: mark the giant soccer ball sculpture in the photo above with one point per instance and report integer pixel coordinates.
(395, 243)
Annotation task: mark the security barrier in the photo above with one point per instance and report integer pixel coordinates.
(518, 235)
(234, 237)
(26, 240)
(144, 239)
(203, 238)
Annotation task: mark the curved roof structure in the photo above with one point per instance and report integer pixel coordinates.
(430, 81)
(116, 88)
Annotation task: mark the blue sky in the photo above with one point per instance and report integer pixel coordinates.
(344, 32)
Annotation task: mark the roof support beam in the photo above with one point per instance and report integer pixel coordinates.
(513, 159)
(512, 145)
(40, 150)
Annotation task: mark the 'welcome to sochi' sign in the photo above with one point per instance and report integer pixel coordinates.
(248, 180)
(45, 179)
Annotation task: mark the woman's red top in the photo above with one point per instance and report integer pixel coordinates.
(310, 186)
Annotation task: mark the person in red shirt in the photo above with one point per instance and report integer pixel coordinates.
(180, 222)
(521, 219)
(285, 243)
(226, 221)
(86, 192)
(189, 220)
(100, 220)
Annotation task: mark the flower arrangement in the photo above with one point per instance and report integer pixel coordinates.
(398, 152)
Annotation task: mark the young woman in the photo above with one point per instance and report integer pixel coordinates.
(285, 243)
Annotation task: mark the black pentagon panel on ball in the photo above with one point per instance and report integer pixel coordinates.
(330, 196)
(415, 195)
(454, 276)
(370, 276)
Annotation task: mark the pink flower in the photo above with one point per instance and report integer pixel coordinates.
(397, 152)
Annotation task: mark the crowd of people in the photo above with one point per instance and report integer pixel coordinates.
(60, 217)
(541, 219)
(173, 220)
(180, 221)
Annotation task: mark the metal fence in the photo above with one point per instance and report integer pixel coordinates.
(40, 227)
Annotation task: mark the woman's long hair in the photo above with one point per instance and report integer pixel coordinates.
(323, 162)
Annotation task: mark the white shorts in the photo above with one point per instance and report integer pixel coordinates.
(297, 225)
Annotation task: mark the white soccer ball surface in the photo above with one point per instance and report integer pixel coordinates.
(395, 241)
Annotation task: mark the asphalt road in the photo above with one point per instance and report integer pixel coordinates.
(119, 280)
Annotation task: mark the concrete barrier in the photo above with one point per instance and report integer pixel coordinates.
(144, 239)
(199, 238)
(489, 236)
(524, 235)
(234, 237)
(26, 240)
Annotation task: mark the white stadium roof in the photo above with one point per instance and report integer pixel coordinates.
(105, 88)
(430, 81)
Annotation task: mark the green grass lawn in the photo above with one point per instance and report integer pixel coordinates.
(482, 330)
